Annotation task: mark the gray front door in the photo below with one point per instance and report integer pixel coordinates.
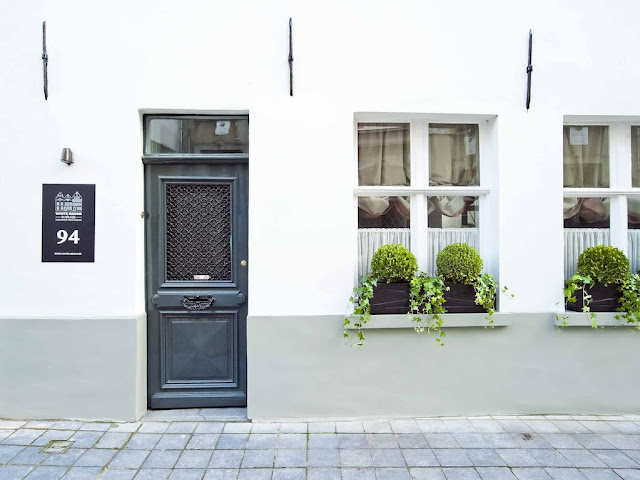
(196, 267)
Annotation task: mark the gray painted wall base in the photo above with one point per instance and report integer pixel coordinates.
(581, 319)
(80, 368)
(300, 367)
(451, 320)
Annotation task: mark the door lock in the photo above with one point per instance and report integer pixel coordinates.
(243, 263)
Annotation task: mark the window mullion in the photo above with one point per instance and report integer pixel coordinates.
(419, 135)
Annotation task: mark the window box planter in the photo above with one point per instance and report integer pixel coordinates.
(603, 299)
(393, 298)
(461, 298)
(390, 298)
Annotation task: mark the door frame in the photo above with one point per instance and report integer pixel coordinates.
(190, 159)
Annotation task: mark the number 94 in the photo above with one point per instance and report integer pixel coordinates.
(63, 236)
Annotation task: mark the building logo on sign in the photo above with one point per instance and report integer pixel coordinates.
(68, 208)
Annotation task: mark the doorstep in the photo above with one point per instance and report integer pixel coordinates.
(221, 414)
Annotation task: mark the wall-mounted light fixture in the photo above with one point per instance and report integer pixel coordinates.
(66, 156)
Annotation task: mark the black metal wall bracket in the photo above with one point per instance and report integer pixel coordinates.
(290, 61)
(529, 70)
(45, 60)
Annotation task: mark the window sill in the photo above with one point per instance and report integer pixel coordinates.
(451, 320)
(580, 319)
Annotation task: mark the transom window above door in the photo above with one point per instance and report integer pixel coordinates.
(193, 134)
(420, 184)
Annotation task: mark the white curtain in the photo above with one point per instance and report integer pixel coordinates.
(634, 250)
(370, 239)
(576, 240)
(438, 238)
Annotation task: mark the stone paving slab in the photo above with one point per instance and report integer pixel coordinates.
(220, 444)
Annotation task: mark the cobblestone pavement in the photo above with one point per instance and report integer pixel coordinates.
(193, 445)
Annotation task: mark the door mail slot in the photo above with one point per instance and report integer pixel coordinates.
(197, 302)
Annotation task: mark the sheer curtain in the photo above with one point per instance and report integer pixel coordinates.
(634, 250)
(438, 238)
(370, 239)
(576, 240)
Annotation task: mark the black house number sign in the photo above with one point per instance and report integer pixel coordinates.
(68, 222)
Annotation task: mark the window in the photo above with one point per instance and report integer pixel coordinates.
(601, 164)
(193, 134)
(423, 182)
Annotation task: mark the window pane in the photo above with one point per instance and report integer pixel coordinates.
(586, 156)
(383, 154)
(635, 156)
(381, 220)
(453, 154)
(453, 212)
(383, 212)
(586, 212)
(200, 136)
(451, 220)
(633, 208)
(586, 224)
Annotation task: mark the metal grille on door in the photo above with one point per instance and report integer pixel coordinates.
(198, 232)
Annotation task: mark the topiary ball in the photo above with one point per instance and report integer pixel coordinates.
(459, 263)
(393, 263)
(605, 264)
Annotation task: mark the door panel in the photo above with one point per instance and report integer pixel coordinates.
(196, 285)
(199, 348)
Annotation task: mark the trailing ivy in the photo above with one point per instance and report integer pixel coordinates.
(361, 301)
(630, 300)
(577, 283)
(427, 298)
(486, 287)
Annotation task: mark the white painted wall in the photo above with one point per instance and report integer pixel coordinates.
(111, 62)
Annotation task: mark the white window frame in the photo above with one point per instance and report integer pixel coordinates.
(620, 164)
(420, 189)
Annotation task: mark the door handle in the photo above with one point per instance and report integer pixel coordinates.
(197, 302)
(241, 299)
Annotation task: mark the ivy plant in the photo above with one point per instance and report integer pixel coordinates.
(361, 301)
(485, 286)
(630, 300)
(427, 298)
(578, 283)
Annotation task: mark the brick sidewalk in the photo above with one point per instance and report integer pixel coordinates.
(197, 445)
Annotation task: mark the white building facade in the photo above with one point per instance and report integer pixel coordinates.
(75, 337)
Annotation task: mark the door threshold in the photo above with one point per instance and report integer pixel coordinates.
(221, 414)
